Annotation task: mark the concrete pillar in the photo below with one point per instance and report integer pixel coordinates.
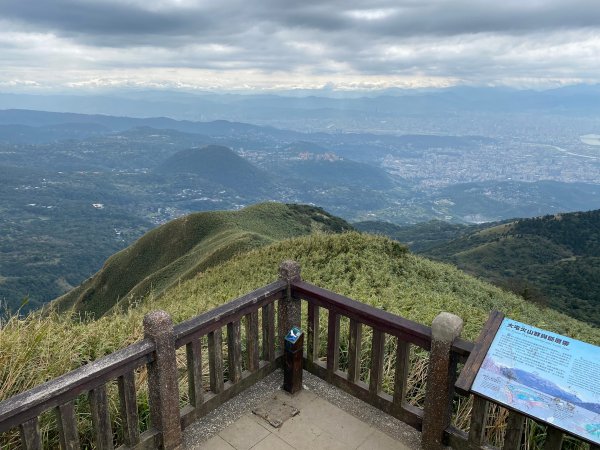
(441, 377)
(289, 308)
(162, 380)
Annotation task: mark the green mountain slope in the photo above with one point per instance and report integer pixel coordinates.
(217, 164)
(553, 259)
(184, 247)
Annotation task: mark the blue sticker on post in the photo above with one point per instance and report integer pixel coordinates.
(293, 335)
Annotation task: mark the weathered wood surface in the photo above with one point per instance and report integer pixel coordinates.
(514, 431)
(409, 414)
(377, 354)
(475, 359)
(30, 434)
(333, 343)
(354, 350)
(234, 351)
(479, 414)
(32, 403)
(128, 408)
(268, 328)
(211, 400)
(554, 438)
(401, 372)
(312, 333)
(229, 312)
(252, 344)
(215, 360)
(67, 426)
(193, 352)
(387, 322)
(101, 418)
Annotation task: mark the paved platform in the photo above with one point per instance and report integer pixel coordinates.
(327, 418)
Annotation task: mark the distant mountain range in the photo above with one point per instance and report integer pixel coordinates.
(553, 260)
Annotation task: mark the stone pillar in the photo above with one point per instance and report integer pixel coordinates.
(440, 380)
(162, 380)
(289, 308)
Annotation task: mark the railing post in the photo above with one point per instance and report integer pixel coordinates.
(289, 308)
(440, 380)
(162, 380)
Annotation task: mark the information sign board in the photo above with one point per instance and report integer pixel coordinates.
(544, 375)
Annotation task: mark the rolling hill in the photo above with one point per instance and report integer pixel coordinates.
(183, 248)
(553, 260)
(217, 165)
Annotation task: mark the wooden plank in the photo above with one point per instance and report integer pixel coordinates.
(234, 310)
(101, 418)
(514, 430)
(482, 345)
(377, 353)
(401, 372)
(234, 351)
(193, 352)
(479, 414)
(252, 341)
(30, 434)
(408, 414)
(387, 322)
(333, 343)
(190, 415)
(312, 333)
(354, 350)
(554, 438)
(67, 426)
(128, 408)
(29, 404)
(268, 328)
(215, 360)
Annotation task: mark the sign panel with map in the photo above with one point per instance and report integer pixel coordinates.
(544, 375)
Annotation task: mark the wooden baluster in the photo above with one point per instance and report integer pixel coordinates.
(401, 373)
(514, 431)
(479, 414)
(30, 434)
(128, 407)
(215, 360)
(333, 343)
(193, 352)
(554, 438)
(67, 427)
(377, 349)
(268, 326)
(312, 329)
(234, 351)
(252, 341)
(354, 347)
(101, 418)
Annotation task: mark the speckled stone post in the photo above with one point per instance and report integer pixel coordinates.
(162, 380)
(440, 380)
(289, 308)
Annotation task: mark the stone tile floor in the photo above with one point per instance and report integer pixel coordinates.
(328, 419)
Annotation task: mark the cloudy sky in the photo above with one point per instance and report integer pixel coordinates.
(282, 44)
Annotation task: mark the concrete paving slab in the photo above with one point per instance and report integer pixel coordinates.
(272, 442)
(244, 434)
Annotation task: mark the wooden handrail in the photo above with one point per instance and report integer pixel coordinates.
(29, 404)
(229, 312)
(405, 329)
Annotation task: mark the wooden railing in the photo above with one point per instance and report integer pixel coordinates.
(265, 315)
(157, 352)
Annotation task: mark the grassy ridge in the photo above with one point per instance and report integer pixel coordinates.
(184, 247)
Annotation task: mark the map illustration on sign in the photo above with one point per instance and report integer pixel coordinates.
(544, 375)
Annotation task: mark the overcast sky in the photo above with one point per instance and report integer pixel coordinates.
(280, 44)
